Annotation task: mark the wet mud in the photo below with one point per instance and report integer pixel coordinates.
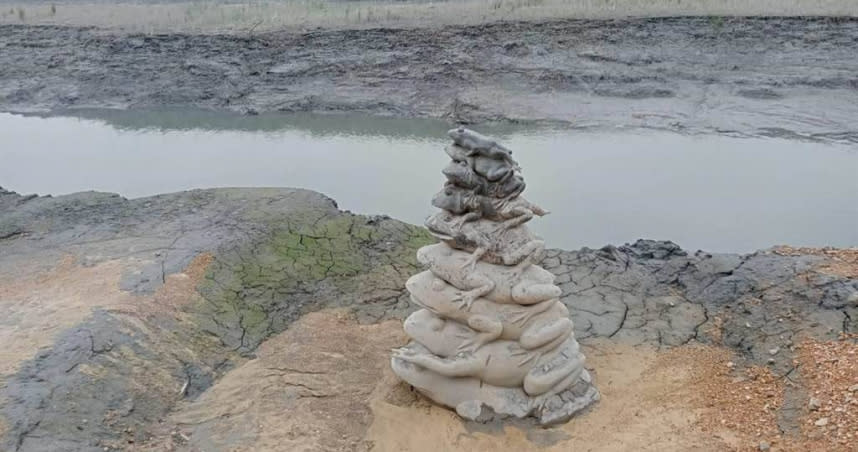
(132, 321)
(791, 77)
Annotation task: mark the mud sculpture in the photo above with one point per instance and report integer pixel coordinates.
(491, 338)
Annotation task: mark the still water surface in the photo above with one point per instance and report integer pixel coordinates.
(718, 193)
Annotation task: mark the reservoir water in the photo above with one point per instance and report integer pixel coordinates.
(713, 192)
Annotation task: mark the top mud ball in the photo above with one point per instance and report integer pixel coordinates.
(491, 338)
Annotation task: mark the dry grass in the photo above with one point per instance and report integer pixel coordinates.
(223, 16)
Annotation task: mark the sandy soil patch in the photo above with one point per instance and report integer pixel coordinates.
(644, 407)
(37, 306)
(325, 384)
(308, 389)
(740, 406)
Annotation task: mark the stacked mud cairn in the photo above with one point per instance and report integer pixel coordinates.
(492, 338)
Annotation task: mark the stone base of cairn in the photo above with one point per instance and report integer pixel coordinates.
(491, 338)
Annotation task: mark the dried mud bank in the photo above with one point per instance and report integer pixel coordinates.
(791, 77)
(145, 323)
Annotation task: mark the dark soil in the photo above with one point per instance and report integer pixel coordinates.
(793, 77)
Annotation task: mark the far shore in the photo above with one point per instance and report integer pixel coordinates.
(305, 15)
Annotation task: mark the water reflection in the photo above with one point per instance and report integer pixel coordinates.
(166, 120)
(711, 192)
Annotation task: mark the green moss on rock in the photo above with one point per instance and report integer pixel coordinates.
(335, 260)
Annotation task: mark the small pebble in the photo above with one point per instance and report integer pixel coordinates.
(853, 388)
(821, 422)
(774, 351)
(814, 404)
(764, 445)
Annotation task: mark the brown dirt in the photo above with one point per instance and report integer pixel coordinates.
(740, 405)
(39, 305)
(325, 384)
(178, 290)
(643, 408)
(830, 373)
(308, 389)
(839, 261)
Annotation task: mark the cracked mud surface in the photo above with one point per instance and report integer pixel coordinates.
(118, 345)
(745, 76)
(125, 313)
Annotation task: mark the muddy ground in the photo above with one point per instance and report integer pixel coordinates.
(792, 77)
(180, 322)
(261, 319)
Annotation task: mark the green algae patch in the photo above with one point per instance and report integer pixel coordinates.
(331, 248)
(257, 288)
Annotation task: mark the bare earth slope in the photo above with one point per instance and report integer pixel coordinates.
(752, 76)
(168, 323)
